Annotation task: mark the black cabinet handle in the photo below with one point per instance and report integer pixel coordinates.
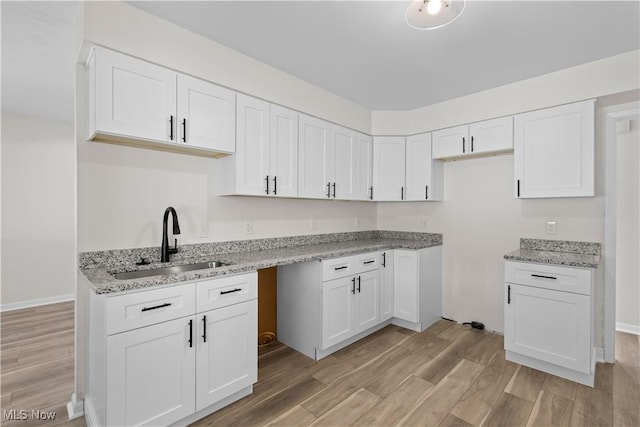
(230, 292)
(166, 304)
(266, 179)
(191, 333)
(384, 259)
(518, 188)
(171, 128)
(371, 193)
(275, 184)
(401, 193)
(463, 145)
(472, 144)
(340, 268)
(508, 294)
(334, 190)
(204, 328)
(358, 284)
(353, 285)
(184, 130)
(328, 190)
(544, 277)
(426, 192)
(371, 261)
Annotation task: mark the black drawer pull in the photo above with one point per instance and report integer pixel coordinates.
(340, 268)
(384, 259)
(508, 294)
(358, 284)
(544, 277)
(353, 286)
(166, 304)
(191, 333)
(204, 328)
(371, 261)
(231, 291)
(266, 179)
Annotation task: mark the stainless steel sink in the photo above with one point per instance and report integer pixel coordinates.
(165, 271)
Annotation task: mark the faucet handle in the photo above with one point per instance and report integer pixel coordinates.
(175, 247)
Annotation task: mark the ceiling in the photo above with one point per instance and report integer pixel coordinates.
(360, 50)
(364, 51)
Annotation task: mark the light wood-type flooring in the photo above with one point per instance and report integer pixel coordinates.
(448, 375)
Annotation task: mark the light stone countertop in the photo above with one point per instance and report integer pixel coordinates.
(102, 282)
(557, 252)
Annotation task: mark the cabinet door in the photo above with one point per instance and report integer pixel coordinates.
(388, 168)
(419, 167)
(405, 285)
(344, 162)
(206, 115)
(491, 135)
(134, 98)
(364, 189)
(553, 152)
(227, 359)
(252, 149)
(450, 142)
(151, 374)
(337, 310)
(386, 285)
(366, 301)
(548, 325)
(313, 158)
(284, 152)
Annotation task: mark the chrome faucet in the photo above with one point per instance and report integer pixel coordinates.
(166, 250)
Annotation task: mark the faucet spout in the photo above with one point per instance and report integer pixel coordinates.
(166, 250)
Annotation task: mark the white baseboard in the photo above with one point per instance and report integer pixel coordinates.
(36, 302)
(628, 328)
(600, 354)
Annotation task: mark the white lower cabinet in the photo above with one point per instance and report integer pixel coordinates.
(150, 377)
(405, 289)
(227, 355)
(548, 319)
(179, 368)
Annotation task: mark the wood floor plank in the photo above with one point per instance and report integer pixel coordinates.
(550, 410)
(438, 402)
(395, 405)
(337, 369)
(295, 417)
(344, 387)
(604, 377)
(443, 363)
(387, 381)
(485, 350)
(349, 410)
(476, 404)
(431, 344)
(453, 421)
(526, 383)
(559, 387)
(626, 396)
(439, 327)
(510, 410)
(591, 407)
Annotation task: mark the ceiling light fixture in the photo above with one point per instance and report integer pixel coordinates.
(432, 14)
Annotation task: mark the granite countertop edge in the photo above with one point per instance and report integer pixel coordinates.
(102, 282)
(557, 252)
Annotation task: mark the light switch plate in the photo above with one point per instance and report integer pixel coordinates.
(551, 227)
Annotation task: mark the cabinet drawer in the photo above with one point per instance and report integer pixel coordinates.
(339, 267)
(130, 311)
(567, 279)
(224, 291)
(367, 262)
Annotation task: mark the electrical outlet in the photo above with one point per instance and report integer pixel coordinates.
(551, 227)
(203, 229)
(424, 222)
(356, 222)
(314, 224)
(248, 227)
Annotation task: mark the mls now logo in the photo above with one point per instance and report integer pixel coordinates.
(15, 414)
(23, 414)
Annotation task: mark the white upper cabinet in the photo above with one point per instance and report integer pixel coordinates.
(488, 136)
(364, 183)
(554, 152)
(314, 174)
(130, 97)
(388, 168)
(491, 136)
(266, 159)
(423, 175)
(344, 163)
(139, 103)
(206, 115)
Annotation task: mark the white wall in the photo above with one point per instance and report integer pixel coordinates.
(38, 209)
(628, 229)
